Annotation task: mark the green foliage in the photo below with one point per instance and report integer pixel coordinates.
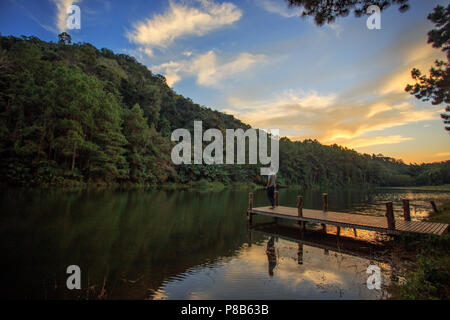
(64, 38)
(326, 11)
(430, 280)
(430, 276)
(436, 85)
(71, 115)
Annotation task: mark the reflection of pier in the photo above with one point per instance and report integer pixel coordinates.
(340, 219)
(328, 242)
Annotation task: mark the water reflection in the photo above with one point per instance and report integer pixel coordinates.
(288, 264)
(271, 255)
(185, 245)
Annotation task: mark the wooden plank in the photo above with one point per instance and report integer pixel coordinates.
(415, 227)
(442, 229)
(404, 225)
(445, 229)
(312, 216)
(434, 228)
(438, 230)
(350, 220)
(428, 228)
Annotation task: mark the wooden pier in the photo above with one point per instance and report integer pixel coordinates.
(348, 220)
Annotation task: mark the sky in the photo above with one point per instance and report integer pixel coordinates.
(258, 60)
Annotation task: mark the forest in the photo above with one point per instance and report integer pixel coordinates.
(74, 115)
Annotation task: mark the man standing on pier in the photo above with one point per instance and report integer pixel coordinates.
(271, 185)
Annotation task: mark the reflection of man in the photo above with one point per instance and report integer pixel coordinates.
(271, 255)
(271, 185)
(300, 253)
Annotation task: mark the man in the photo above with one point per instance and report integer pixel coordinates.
(271, 185)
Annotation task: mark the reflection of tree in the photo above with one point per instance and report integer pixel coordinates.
(271, 255)
(137, 239)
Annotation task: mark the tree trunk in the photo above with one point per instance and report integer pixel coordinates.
(74, 154)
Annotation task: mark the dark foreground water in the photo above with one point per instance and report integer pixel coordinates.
(188, 245)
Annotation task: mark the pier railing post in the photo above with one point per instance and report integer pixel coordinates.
(390, 215)
(300, 206)
(276, 198)
(325, 208)
(406, 211)
(325, 202)
(300, 211)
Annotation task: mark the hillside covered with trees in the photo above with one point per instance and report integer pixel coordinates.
(71, 114)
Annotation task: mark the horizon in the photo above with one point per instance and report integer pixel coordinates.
(230, 51)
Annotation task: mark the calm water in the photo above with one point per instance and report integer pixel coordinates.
(188, 245)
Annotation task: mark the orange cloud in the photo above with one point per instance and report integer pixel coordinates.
(354, 118)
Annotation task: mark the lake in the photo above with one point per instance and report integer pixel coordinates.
(158, 244)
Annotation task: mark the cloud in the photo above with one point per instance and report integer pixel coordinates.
(337, 28)
(280, 7)
(61, 15)
(180, 20)
(329, 117)
(366, 142)
(443, 154)
(207, 68)
(356, 116)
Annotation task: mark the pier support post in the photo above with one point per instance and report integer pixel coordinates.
(325, 202)
(276, 198)
(250, 207)
(406, 211)
(338, 231)
(434, 206)
(300, 211)
(390, 215)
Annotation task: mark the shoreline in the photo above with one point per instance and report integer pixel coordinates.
(209, 185)
(429, 277)
(444, 187)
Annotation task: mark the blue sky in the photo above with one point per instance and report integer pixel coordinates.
(256, 59)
